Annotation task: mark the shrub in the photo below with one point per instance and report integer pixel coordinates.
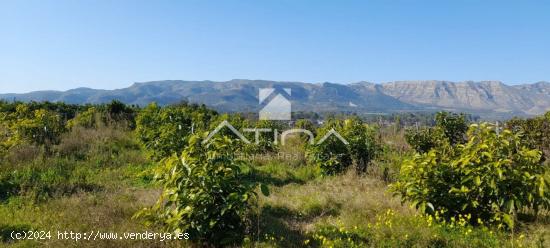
(164, 131)
(491, 178)
(86, 119)
(334, 156)
(535, 131)
(424, 139)
(449, 128)
(42, 127)
(4, 138)
(454, 126)
(204, 193)
(117, 113)
(362, 143)
(331, 156)
(266, 140)
(305, 124)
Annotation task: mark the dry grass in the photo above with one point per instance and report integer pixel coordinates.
(301, 201)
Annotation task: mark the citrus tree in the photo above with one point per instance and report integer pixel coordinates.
(449, 128)
(333, 155)
(362, 146)
(43, 128)
(535, 131)
(491, 178)
(163, 131)
(454, 126)
(39, 127)
(204, 192)
(425, 138)
(87, 119)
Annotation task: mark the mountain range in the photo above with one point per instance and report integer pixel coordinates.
(486, 98)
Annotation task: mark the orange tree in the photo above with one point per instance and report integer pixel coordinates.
(204, 192)
(165, 130)
(491, 178)
(334, 156)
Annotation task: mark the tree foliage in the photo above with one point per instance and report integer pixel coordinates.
(424, 139)
(490, 178)
(39, 126)
(118, 113)
(449, 128)
(165, 130)
(535, 131)
(334, 156)
(87, 119)
(204, 192)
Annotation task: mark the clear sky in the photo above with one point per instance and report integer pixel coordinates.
(111, 44)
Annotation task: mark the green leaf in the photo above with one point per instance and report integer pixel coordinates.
(264, 189)
(508, 220)
(477, 181)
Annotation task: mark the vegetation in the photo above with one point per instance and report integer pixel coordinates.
(204, 193)
(449, 128)
(164, 131)
(334, 156)
(119, 168)
(489, 179)
(535, 131)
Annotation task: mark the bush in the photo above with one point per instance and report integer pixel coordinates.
(362, 143)
(450, 128)
(204, 193)
(491, 178)
(535, 131)
(334, 156)
(266, 142)
(164, 131)
(454, 126)
(41, 127)
(305, 124)
(117, 113)
(424, 139)
(86, 119)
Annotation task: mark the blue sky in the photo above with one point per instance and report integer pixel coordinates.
(111, 44)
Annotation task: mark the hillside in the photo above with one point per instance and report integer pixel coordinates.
(485, 98)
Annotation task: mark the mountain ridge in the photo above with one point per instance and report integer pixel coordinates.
(360, 97)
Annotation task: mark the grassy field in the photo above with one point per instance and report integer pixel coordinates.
(98, 179)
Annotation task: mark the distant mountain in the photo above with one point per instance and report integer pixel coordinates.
(485, 98)
(493, 96)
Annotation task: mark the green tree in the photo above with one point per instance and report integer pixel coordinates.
(449, 128)
(534, 131)
(362, 146)
(204, 193)
(165, 130)
(491, 178)
(88, 119)
(334, 156)
(425, 138)
(454, 126)
(118, 113)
